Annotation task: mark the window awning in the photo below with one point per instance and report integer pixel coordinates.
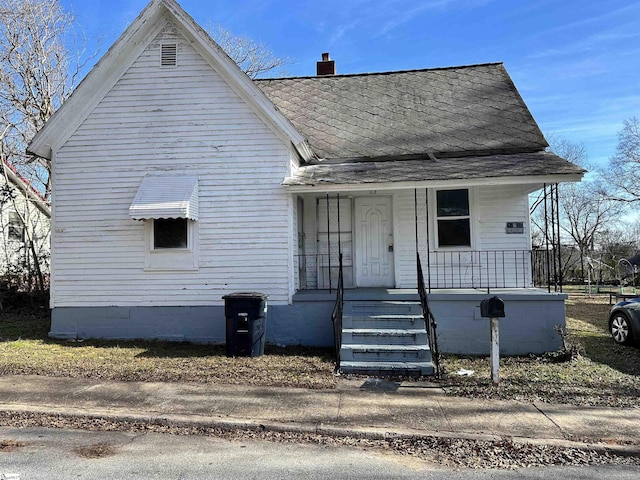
(166, 197)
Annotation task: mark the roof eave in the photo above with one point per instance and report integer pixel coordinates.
(530, 182)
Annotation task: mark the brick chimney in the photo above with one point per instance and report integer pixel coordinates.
(326, 66)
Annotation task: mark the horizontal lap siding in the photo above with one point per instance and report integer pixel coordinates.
(495, 206)
(186, 120)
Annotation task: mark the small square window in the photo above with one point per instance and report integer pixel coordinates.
(170, 233)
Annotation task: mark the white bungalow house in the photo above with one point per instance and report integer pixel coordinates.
(24, 228)
(177, 180)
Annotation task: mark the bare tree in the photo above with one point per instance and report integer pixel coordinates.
(576, 153)
(254, 58)
(585, 211)
(623, 169)
(37, 73)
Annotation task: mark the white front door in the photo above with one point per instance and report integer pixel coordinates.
(374, 242)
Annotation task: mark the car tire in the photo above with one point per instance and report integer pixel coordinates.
(620, 328)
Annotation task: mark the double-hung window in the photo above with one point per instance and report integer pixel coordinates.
(453, 218)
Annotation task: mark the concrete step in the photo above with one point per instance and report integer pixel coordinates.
(384, 307)
(393, 321)
(385, 353)
(384, 336)
(387, 368)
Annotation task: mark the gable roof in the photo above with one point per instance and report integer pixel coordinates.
(123, 53)
(9, 172)
(456, 111)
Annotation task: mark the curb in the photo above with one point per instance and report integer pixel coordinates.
(369, 433)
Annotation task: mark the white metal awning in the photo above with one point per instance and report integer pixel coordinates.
(166, 197)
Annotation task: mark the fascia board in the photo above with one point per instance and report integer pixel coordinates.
(534, 182)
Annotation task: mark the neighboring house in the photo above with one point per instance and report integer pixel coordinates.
(24, 228)
(177, 180)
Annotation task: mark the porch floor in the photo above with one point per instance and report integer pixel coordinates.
(411, 294)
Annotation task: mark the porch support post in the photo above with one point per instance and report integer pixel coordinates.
(553, 239)
(546, 238)
(339, 239)
(559, 245)
(426, 209)
(415, 219)
(329, 241)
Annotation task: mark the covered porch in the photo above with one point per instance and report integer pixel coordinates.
(469, 237)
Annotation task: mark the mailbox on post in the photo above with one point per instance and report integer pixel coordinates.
(493, 308)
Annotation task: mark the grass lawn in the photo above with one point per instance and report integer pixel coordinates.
(602, 374)
(25, 349)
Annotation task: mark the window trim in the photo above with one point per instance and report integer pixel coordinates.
(172, 259)
(471, 198)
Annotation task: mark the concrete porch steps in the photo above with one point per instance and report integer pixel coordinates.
(384, 338)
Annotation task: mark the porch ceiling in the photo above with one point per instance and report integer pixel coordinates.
(520, 168)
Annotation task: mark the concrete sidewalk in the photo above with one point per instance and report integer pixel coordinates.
(370, 408)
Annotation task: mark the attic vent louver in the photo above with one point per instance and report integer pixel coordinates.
(169, 55)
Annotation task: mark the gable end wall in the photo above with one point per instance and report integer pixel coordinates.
(181, 120)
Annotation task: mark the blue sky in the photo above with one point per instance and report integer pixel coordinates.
(575, 63)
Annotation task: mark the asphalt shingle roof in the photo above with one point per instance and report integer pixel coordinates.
(455, 111)
(427, 169)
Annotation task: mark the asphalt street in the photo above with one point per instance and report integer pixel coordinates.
(39, 453)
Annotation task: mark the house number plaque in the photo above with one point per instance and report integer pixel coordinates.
(515, 227)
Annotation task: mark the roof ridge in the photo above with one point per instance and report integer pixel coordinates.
(390, 72)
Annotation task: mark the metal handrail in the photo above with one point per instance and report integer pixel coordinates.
(336, 315)
(429, 320)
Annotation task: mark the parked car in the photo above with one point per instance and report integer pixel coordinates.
(624, 321)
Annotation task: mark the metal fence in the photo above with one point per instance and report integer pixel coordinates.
(442, 270)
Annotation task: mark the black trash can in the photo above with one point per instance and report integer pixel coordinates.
(246, 322)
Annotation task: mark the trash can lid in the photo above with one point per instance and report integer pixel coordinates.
(246, 295)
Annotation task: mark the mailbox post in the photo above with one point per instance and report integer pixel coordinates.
(493, 308)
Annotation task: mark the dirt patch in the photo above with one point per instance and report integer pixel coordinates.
(8, 446)
(96, 450)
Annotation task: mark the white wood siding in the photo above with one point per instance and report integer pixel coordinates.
(186, 120)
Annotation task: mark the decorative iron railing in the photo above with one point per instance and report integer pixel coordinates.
(336, 315)
(321, 271)
(429, 320)
(480, 269)
(445, 270)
